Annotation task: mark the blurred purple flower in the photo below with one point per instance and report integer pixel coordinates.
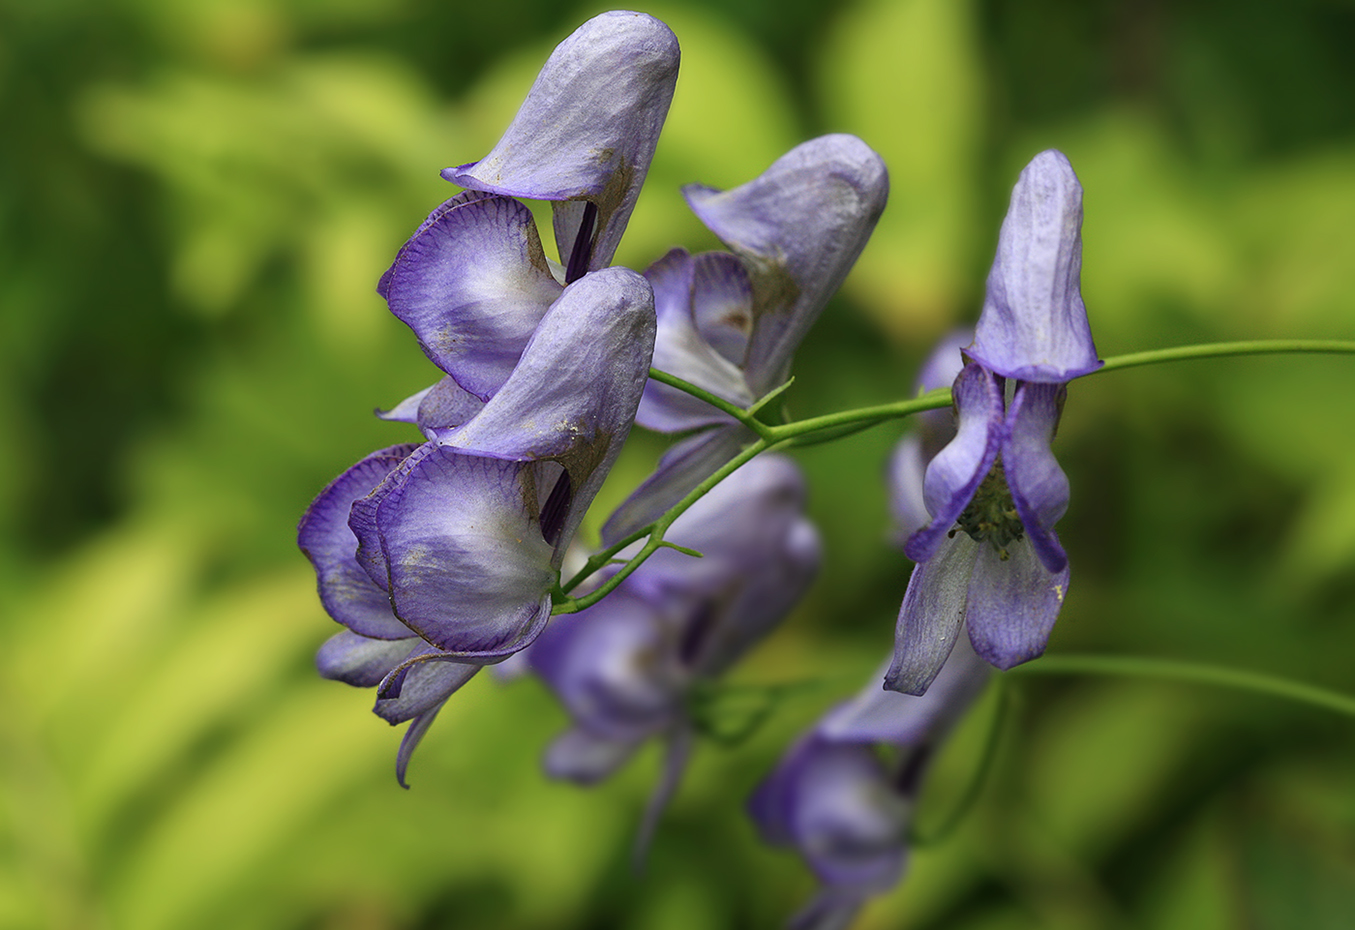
(441, 557)
(730, 322)
(626, 667)
(988, 558)
(845, 806)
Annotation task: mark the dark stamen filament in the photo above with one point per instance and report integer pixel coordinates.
(553, 513)
(582, 252)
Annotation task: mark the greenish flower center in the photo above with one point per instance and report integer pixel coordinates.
(991, 514)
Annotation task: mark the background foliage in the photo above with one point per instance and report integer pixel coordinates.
(196, 200)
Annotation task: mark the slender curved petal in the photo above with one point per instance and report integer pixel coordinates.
(436, 408)
(958, 469)
(933, 609)
(473, 283)
(348, 592)
(1038, 485)
(799, 226)
(1034, 325)
(588, 129)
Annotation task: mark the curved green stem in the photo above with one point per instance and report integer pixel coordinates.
(1195, 673)
(1225, 349)
(655, 531)
(747, 417)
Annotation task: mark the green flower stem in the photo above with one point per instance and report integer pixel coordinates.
(837, 425)
(1176, 670)
(655, 542)
(1225, 349)
(747, 417)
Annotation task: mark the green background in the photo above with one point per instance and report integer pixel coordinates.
(196, 200)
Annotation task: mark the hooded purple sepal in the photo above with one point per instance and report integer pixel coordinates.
(572, 398)
(1034, 325)
(957, 470)
(799, 227)
(473, 283)
(587, 130)
(348, 592)
(468, 565)
(704, 309)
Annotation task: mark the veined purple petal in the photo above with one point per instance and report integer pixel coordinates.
(473, 284)
(934, 607)
(359, 660)
(759, 557)
(469, 568)
(680, 470)
(681, 349)
(957, 470)
(879, 716)
(459, 200)
(588, 128)
(1034, 325)
(1013, 604)
(1038, 485)
(799, 226)
(347, 591)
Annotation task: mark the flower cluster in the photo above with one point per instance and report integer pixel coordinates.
(443, 556)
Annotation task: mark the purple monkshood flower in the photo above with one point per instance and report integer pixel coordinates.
(989, 559)
(625, 668)
(845, 806)
(730, 322)
(473, 281)
(440, 557)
